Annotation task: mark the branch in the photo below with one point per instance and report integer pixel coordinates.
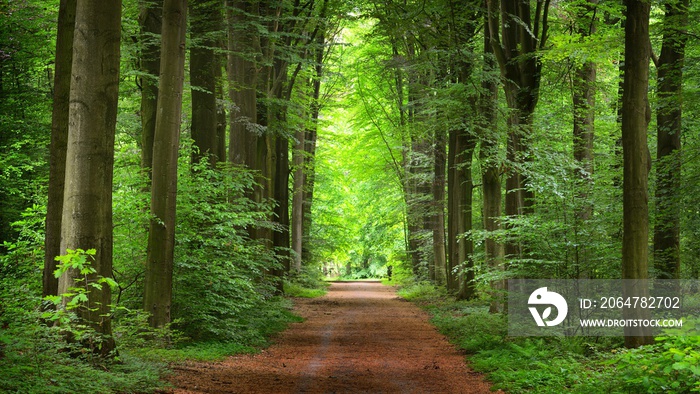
(397, 167)
(494, 35)
(653, 56)
(545, 24)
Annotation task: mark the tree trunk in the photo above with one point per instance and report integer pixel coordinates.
(308, 150)
(87, 203)
(244, 45)
(490, 171)
(584, 115)
(635, 119)
(515, 49)
(667, 262)
(59, 137)
(205, 21)
(438, 214)
(150, 19)
(308, 192)
(298, 196)
(583, 98)
(221, 115)
(161, 238)
(277, 115)
(459, 218)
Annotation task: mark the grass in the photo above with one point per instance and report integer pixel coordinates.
(33, 359)
(587, 365)
(293, 289)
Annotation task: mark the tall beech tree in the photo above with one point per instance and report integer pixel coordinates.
(636, 114)
(583, 81)
(206, 22)
(667, 260)
(151, 23)
(59, 137)
(463, 22)
(490, 162)
(161, 237)
(243, 71)
(303, 158)
(87, 202)
(522, 33)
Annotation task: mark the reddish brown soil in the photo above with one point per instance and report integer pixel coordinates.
(359, 338)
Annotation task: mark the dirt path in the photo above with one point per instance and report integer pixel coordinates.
(359, 338)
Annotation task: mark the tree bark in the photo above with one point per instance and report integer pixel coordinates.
(304, 163)
(244, 47)
(298, 196)
(438, 214)
(280, 94)
(161, 238)
(459, 202)
(221, 114)
(667, 262)
(59, 137)
(205, 22)
(87, 203)
(583, 99)
(515, 49)
(150, 20)
(490, 170)
(635, 119)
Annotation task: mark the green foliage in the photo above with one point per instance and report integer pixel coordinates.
(34, 361)
(308, 283)
(34, 357)
(293, 289)
(358, 208)
(555, 365)
(220, 274)
(26, 42)
(671, 365)
(422, 292)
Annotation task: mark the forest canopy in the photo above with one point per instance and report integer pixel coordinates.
(169, 169)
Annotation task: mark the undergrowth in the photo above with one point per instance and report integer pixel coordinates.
(308, 283)
(34, 357)
(555, 365)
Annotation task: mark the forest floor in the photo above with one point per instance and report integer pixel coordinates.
(358, 338)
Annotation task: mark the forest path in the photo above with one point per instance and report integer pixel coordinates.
(358, 338)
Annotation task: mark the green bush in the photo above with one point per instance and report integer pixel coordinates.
(671, 365)
(219, 274)
(555, 365)
(422, 292)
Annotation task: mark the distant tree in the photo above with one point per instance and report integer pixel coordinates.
(490, 161)
(150, 21)
(583, 82)
(303, 161)
(59, 137)
(87, 204)
(161, 237)
(522, 33)
(206, 22)
(636, 114)
(463, 24)
(243, 70)
(667, 261)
